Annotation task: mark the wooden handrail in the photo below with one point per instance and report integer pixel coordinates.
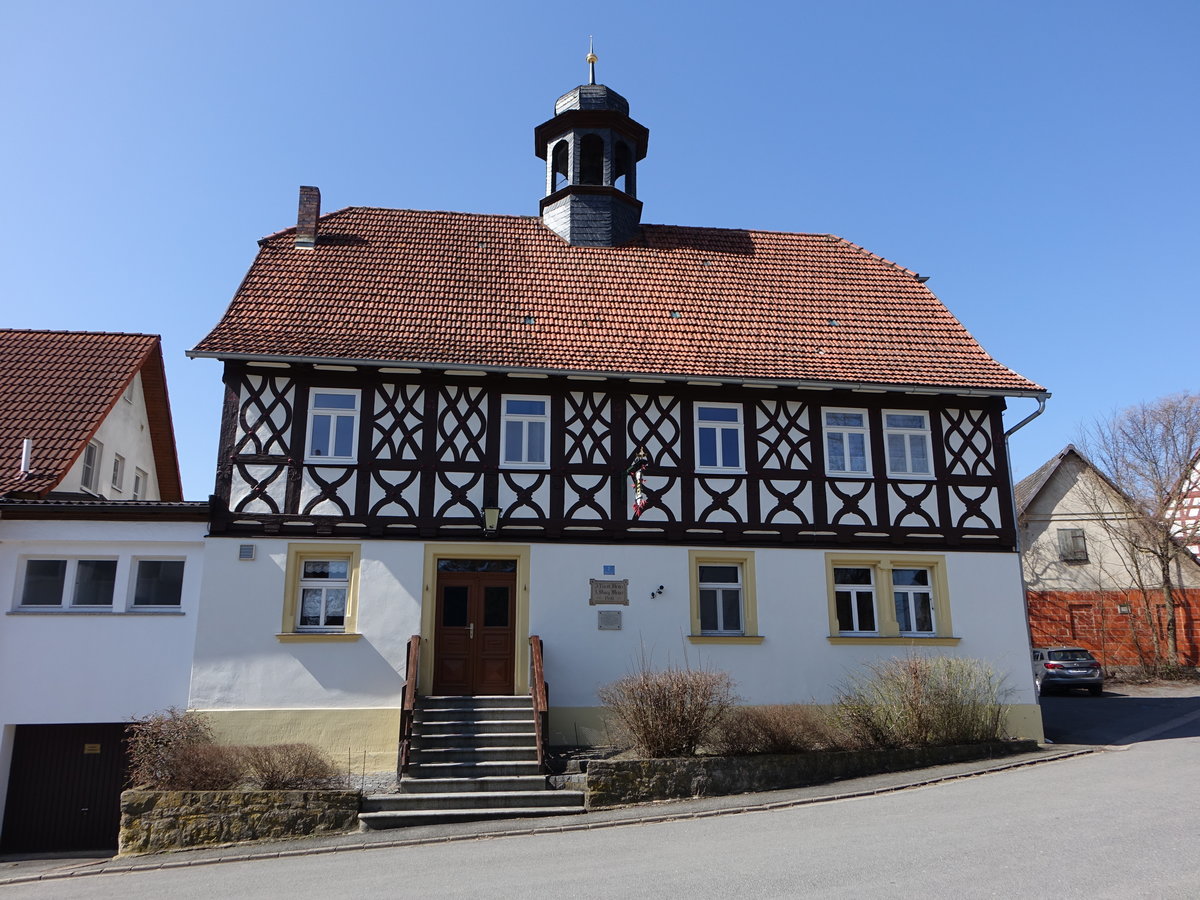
(411, 674)
(540, 692)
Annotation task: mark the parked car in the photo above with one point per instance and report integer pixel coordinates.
(1063, 668)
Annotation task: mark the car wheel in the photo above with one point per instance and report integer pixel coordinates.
(1096, 690)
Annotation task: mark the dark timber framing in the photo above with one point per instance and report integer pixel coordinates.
(429, 451)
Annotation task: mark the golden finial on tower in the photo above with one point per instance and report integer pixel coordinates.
(591, 61)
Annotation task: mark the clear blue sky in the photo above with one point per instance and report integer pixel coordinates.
(1037, 159)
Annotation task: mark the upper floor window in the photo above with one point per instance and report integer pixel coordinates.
(91, 466)
(139, 485)
(525, 429)
(332, 425)
(906, 436)
(1072, 545)
(118, 472)
(718, 436)
(846, 444)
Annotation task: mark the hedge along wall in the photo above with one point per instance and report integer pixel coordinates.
(172, 820)
(614, 782)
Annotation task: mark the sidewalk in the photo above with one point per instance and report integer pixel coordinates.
(15, 870)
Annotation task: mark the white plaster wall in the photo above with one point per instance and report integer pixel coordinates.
(125, 430)
(794, 663)
(241, 664)
(103, 666)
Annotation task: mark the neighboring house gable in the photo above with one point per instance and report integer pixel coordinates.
(94, 408)
(1085, 582)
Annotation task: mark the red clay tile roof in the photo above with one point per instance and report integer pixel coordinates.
(56, 387)
(457, 289)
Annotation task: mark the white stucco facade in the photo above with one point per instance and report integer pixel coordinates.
(101, 663)
(125, 431)
(245, 667)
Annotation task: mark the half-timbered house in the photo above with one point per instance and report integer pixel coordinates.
(778, 454)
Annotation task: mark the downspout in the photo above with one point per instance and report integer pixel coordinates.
(1012, 494)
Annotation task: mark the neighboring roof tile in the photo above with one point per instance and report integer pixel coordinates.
(388, 285)
(56, 387)
(1027, 488)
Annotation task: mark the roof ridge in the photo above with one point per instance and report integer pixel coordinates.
(87, 333)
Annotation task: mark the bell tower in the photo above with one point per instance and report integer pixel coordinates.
(592, 148)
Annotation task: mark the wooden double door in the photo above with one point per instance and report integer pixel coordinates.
(475, 633)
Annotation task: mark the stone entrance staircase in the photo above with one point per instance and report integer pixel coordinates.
(473, 758)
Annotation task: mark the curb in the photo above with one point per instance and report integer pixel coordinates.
(544, 829)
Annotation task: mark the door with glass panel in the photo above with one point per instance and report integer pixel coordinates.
(474, 637)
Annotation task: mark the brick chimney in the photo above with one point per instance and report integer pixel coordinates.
(306, 218)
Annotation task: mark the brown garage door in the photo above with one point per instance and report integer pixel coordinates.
(64, 788)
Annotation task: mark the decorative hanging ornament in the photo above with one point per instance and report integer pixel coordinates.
(636, 470)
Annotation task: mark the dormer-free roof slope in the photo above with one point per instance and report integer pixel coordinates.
(504, 292)
(57, 387)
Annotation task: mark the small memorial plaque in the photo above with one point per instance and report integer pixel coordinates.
(609, 590)
(608, 619)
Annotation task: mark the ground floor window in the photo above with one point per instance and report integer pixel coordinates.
(888, 596)
(68, 583)
(321, 593)
(723, 599)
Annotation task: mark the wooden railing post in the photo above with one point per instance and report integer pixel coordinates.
(540, 692)
(409, 705)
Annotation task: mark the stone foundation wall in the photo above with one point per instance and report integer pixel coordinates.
(171, 820)
(613, 782)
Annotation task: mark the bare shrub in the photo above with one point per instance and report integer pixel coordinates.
(204, 767)
(669, 712)
(775, 729)
(923, 701)
(156, 743)
(281, 767)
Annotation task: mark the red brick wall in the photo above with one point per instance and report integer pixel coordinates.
(1092, 619)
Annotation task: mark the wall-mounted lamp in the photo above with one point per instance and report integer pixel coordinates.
(491, 519)
(655, 593)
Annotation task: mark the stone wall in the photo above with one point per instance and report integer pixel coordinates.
(171, 820)
(615, 782)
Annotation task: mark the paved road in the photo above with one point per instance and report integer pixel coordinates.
(1121, 823)
(1125, 714)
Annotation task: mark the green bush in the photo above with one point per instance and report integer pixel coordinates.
(669, 712)
(923, 701)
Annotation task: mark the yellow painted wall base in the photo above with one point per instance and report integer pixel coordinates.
(586, 726)
(341, 733)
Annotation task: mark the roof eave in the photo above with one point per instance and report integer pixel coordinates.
(808, 383)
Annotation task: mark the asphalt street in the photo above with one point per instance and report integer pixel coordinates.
(1119, 823)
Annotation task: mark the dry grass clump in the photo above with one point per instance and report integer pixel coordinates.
(923, 701)
(785, 728)
(175, 751)
(669, 712)
(282, 767)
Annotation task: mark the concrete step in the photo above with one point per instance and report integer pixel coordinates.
(453, 769)
(517, 701)
(410, 785)
(458, 714)
(476, 726)
(377, 821)
(475, 754)
(471, 800)
(468, 740)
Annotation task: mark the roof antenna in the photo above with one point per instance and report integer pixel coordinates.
(591, 61)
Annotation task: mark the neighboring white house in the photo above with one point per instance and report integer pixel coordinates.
(99, 595)
(776, 454)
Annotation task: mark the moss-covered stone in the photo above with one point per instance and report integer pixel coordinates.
(171, 820)
(616, 782)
